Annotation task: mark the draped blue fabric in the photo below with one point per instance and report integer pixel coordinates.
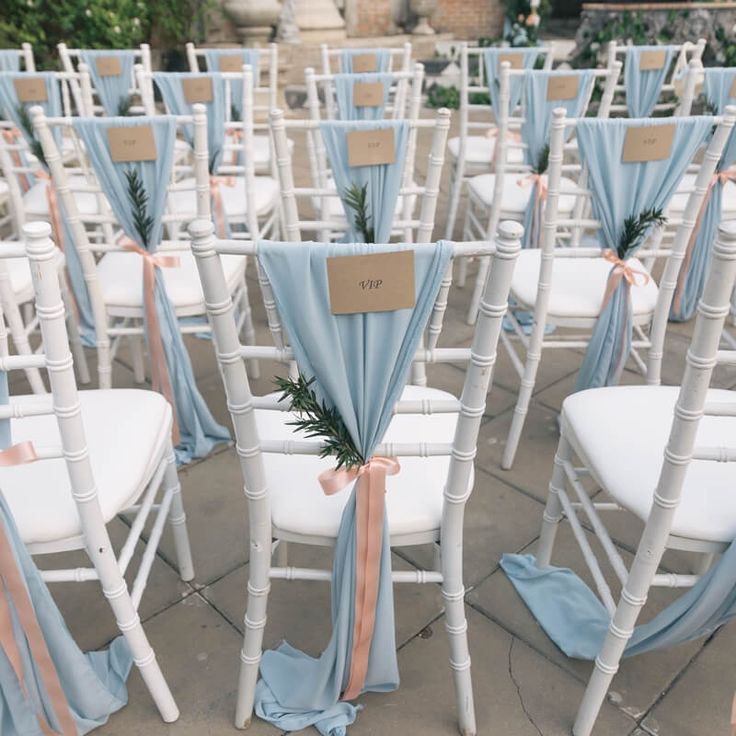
(717, 90)
(10, 108)
(9, 60)
(199, 431)
(577, 622)
(620, 190)
(360, 363)
(172, 91)
(643, 87)
(251, 57)
(93, 683)
(344, 93)
(383, 180)
(535, 130)
(113, 90)
(383, 59)
(529, 58)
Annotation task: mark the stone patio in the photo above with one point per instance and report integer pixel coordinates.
(523, 685)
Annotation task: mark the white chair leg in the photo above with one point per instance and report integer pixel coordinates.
(553, 510)
(462, 272)
(75, 340)
(456, 185)
(484, 264)
(178, 519)
(136, 352)
(249, 330)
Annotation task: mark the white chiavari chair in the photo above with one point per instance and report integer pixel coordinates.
(329, 218)
(472, 154)
(260, 423)
(70, 59)
(113, 274)
(685, 499)
(24, 56)
(99, 454)
(564, 286)
(506, 193)
(684, 54)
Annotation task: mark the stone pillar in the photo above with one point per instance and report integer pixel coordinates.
(319, 21)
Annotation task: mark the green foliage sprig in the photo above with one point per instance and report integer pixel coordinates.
(636, 228)
(124, 106)
(357, 199)
(235, 115)
(139, 202)
(543, 161)
(319, 420)
(34, 144)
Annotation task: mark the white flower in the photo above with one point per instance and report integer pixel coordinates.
(116, 29)
(136, 22)
(29, 3)
(88, 13)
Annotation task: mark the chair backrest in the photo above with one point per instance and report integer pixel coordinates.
(10, 59)
(557, 228)
(342, 94)
(231, 355)
(71, 58)
(681, 56)
(321, 192)
(265, 92)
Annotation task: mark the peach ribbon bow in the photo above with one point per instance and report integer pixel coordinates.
(217, 201)
(369, 511)
(160, 378)
(720, 177)
(540, 180)
(23, 452)
(621, 270)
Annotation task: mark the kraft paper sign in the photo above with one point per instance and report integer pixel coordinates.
(516, 61)
(231, 63)
(197, 89)
(651, 60)
(367, 94)
(365, 63)
(380, 282)
(371, 147)
(108, 66)
(563, 88)
(650, 143)
(31, 89)
(132, 143)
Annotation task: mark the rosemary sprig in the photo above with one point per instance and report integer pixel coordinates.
(542, 161)
(357, 199)
(124, 105)
(34, 144)
(319, 420)
(636, 228)
(139, 201)
(235, 116)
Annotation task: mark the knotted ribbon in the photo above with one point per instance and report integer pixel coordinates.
(160, 378)
(539, 183)
(720, 177)
(23, 452)
(218, 205)
(369, 510)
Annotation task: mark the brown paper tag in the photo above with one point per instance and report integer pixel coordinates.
(732, 91)
(132, 143)
(516, 61)
(365, 63)
(108, 66)
(197, 89)
(367, 94)
(380, 282)
(651, 60)
(563, 88)
(231, 63)
(650, 143)
(371, 147)
(31, 89)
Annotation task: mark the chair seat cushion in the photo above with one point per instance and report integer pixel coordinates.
(687, 184)
(578, 285)
(120, 275)
(127, 431)
(36, 204)
(480, 149)
(262, 150)
(413, 497)
(517, 190)
(19, 271)
(621, 433)
(266, 196)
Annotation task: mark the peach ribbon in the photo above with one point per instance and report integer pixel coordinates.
(237, 135)
(621, 270)
(540, 180)
(54, 210)
(12, 587)
(12, 137)
(160, 377)
(720, 177)
(218, 203)
(369, 511)
(511, 135)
